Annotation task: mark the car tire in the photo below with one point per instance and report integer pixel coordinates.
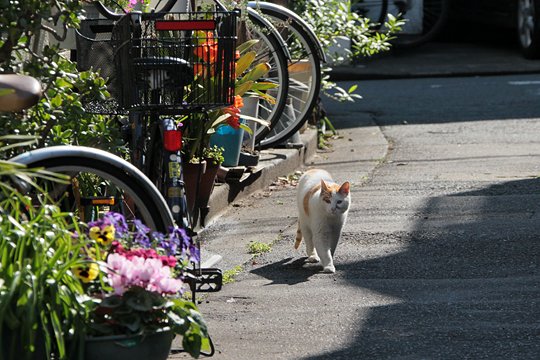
(528, 27)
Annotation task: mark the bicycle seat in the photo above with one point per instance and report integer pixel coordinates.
(23, 92)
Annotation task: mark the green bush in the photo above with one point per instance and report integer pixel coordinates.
(332, 20)
(59, 118)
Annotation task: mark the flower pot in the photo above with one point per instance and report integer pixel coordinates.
(156, 346)
(230, 139)
(13, 345)
(251, 108)
(199, 179)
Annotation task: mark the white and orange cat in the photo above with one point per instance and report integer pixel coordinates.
(322, 210)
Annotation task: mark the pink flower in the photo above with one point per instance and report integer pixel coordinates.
(170, 286)
(148, 273)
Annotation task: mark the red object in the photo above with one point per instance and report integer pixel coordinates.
(172, 140)
(165, 25)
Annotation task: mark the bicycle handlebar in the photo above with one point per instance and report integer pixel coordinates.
(22, 92)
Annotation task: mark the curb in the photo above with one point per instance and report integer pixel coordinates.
(272, 164)
(354, 73)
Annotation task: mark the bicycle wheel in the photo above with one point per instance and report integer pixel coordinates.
(304, 70)
(269, 49)
(100, 179)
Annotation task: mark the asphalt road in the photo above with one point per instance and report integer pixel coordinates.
(440, 256)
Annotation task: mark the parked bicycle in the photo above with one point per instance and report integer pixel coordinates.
(295, 55)
(119, 185)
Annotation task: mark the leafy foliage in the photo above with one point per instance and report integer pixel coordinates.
(39, 307)
(28, 45)
(333, 21)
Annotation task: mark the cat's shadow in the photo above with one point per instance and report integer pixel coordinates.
(289, 271)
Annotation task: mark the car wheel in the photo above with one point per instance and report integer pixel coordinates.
(528, 25)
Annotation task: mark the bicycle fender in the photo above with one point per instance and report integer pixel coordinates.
(267, 24)
(58, 152)
(281, 9)
(252, 13)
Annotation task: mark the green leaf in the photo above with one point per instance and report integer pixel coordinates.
(112, 301)
(257, 120)
(246, 45)
(264, 85)
(257, 72)
(242, 88)
(219, 120)
(246, 129)
(140, 301)
(192, 344)
(245, 62)
(131, 321)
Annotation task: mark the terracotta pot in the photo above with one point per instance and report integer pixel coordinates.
(199, 180)
(155, 346)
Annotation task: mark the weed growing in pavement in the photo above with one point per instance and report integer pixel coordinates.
(230, 275)
(257, 248)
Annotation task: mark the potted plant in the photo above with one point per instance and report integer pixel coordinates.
(39, 308)
(199, 179)
(40, 311)
(199, 130)
(249, 82)
(133, 280)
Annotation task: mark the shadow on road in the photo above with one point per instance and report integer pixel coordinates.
(288, 271)
(468, 290)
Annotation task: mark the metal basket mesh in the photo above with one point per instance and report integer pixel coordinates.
(182, 63)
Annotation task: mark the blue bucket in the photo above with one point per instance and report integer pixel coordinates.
(230, 139)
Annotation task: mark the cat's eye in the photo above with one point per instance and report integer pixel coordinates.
(339, 201)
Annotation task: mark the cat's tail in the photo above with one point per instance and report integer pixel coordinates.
(298, 237)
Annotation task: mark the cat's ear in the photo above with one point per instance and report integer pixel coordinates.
(345, 188)
(324, 187)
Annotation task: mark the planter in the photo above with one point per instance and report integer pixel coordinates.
(155, 346)
(251, 108)
(230, 139)
(199, 179)
(12, 346)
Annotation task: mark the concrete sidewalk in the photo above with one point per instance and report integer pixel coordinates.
(439, 59)
(269, 216)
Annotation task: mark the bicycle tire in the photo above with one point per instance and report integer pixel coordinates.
(269, 49)
(149, 205)
(304, 70)
(435, 15)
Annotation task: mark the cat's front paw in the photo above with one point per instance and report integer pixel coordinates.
(330, 269)
(313, 259)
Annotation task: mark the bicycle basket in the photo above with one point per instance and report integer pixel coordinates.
(182, 63)
(95, 52)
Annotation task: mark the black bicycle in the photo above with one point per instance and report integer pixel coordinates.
(99, 180)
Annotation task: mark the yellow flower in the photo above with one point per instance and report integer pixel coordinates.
(86, 273)
(103, 236)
